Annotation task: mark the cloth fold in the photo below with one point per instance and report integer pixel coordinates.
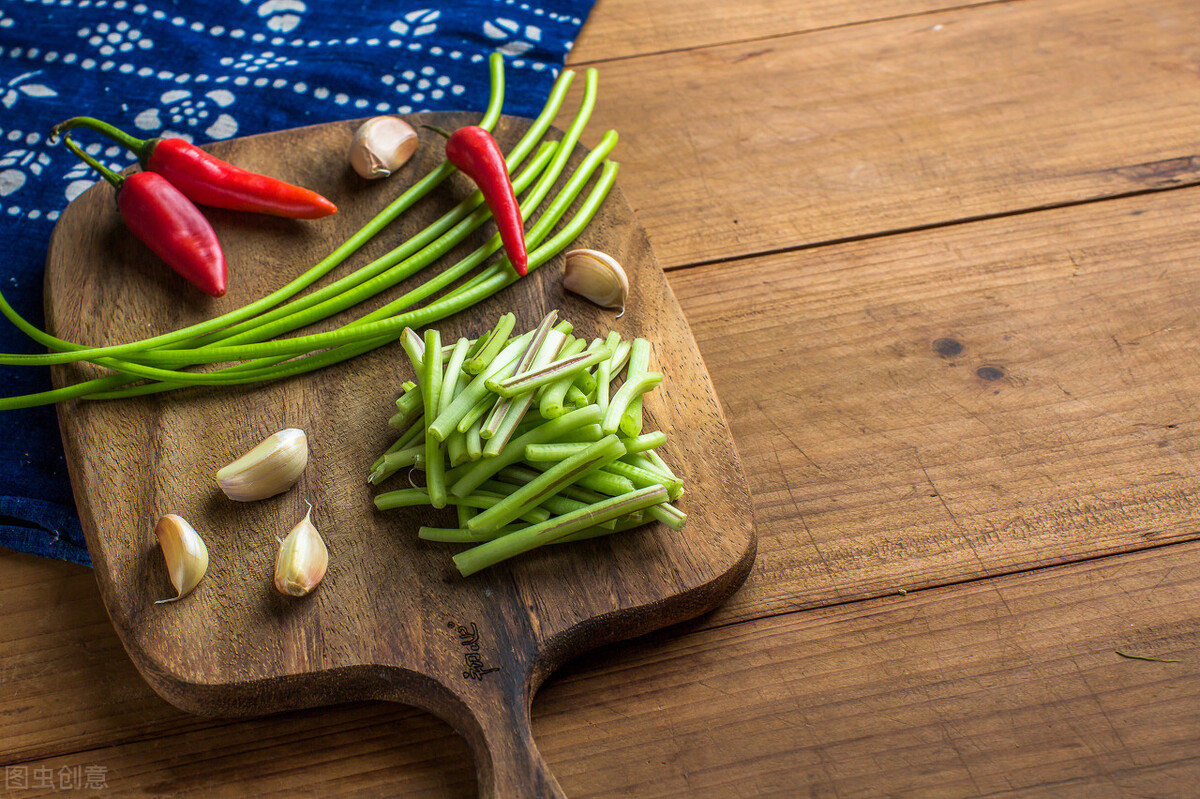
(209, 72)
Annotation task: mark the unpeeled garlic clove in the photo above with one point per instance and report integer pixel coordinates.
(381, 146)
(269, 469)
(302, 559)
(184, 551)
(596, 276)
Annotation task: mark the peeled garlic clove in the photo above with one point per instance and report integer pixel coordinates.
(269, 469)
(381, 146)
(302, 559)
(596, 276)
(184, 551)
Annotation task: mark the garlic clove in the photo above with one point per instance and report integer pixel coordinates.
(184, 551)
(596, 276)
(269, 469)
(302, 560)
(382, 145)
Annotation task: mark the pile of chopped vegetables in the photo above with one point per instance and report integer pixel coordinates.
(579, 466)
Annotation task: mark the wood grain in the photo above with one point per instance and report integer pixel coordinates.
(388, 621)
(65, 680)
(1006, 685)
(816, 137)
(1002, 686)
(624, 28)
(1087, 449)
(962, 402)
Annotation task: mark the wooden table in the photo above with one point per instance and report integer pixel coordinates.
(942, 258)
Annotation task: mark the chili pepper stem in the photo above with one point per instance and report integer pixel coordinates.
(141, 147)
(112, 177)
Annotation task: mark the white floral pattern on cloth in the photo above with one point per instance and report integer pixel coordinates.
(182, 110)
(281, 15)
(298, 61)
(118, 38)
(518, 39)
(208, 72)
(21, 85)
(421, 22)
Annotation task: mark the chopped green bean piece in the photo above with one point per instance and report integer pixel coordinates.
(631, 390)
(659, 464)
(475, 473)
(535, 345)
(585, 381)
(461, 535)
(550, 395)
(393, 462)
(668, 514)
(618, 525)
(559, 450)
(520, 541)
(431, 385)
(409, 396)
(502, 431)
(453, 379)
(456, 449)
(488, 347)
(571, 361)
(475, 393)
(576, 398)
(474, 441)
(642, 478)
(589, 432)
(534, 493)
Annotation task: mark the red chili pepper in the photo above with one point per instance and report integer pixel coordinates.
(168, 223)
(208, 180)
(473, 150)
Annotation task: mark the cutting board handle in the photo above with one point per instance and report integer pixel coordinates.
(489, 708)
(507, 761)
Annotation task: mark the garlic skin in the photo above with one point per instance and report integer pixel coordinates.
(270, 468)
(185, 553)
(381, 146)
(302, 559)
(596, 276)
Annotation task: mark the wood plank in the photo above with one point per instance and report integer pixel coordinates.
(855, 561)
(997, 686)
(757, 147)
(624, 28)
(835, 371)
(66, 682)
(983, 398)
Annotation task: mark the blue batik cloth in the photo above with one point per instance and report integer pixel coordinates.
(210, 71)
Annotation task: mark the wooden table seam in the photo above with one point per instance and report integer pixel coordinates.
(927, 227)
(597, 62)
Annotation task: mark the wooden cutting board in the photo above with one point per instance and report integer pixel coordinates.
(392, 620)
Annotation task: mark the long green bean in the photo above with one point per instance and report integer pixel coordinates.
(365, 326)
(381, 220)
(105, 386)
(360, 341)
(360, 330)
